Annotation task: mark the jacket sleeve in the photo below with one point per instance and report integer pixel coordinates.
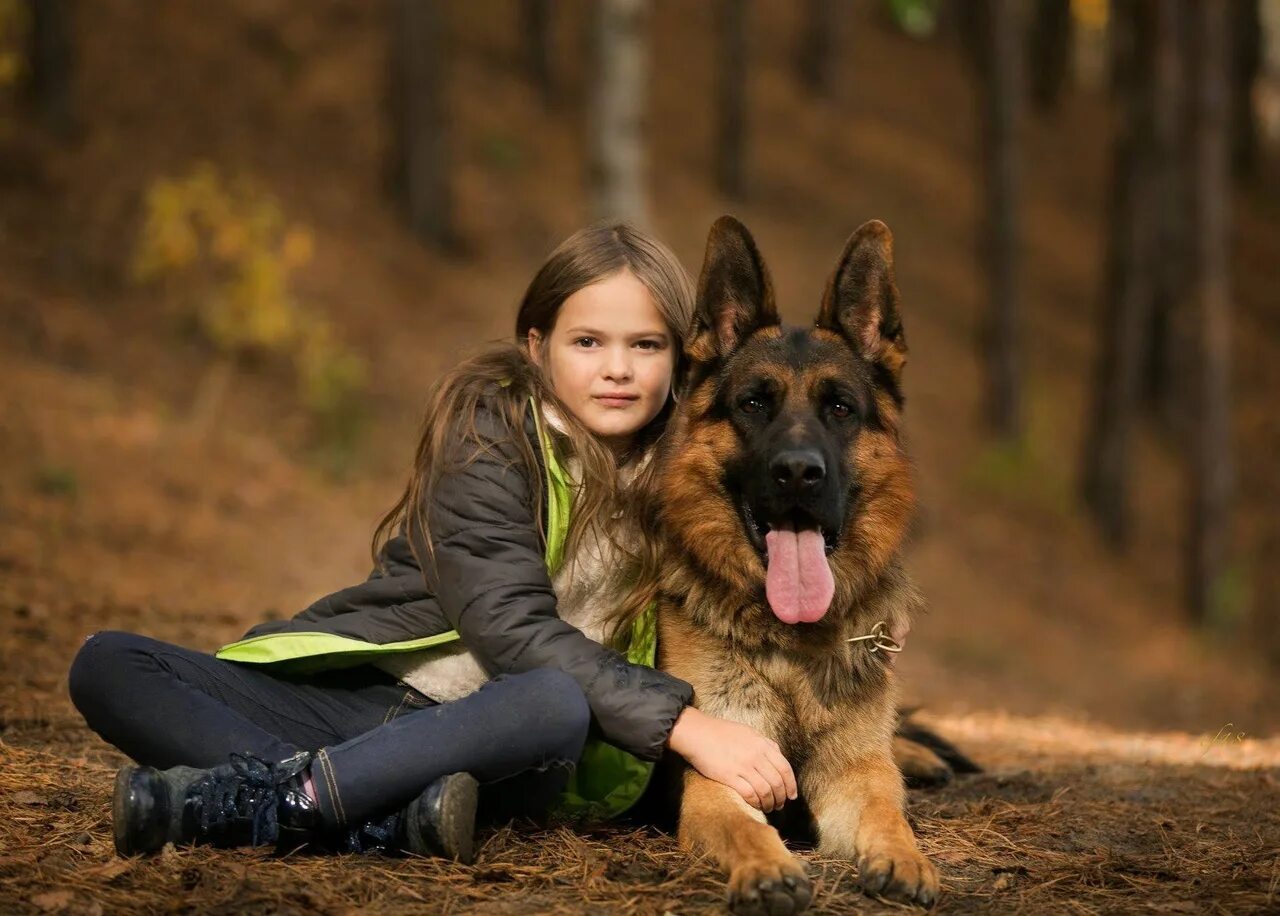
(491, 580)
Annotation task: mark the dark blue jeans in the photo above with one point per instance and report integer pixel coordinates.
(378, 743)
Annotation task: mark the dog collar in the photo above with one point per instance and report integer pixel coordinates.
(880, 638)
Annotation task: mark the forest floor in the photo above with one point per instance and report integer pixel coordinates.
(1132, 763)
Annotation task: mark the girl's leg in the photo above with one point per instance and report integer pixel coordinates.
(531, 794)
(165, 705)
(524, 729)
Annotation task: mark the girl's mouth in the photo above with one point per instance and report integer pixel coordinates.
(616, 400)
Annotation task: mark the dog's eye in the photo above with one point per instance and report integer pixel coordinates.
(752, 405)
(840, 410)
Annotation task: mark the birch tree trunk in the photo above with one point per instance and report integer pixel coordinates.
(618, 178)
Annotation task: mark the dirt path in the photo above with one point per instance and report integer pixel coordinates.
(1066, 819)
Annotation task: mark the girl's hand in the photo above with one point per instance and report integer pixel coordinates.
(736, 755)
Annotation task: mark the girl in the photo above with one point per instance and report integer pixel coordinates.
(461, 680)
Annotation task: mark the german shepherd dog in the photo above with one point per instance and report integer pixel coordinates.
(784, 499)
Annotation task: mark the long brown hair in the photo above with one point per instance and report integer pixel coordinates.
(508, 376)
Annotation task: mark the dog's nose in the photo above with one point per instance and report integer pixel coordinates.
(798, 469)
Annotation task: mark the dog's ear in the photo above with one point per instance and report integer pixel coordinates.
(861, 301)
(735, 295)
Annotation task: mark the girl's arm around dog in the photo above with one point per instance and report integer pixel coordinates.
(490, 578)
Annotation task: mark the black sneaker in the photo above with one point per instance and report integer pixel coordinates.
(246, 802)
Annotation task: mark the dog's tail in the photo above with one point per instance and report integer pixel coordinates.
(925, 757)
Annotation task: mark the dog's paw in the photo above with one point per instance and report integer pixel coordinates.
(904, 875)
(925, 771)
(920, 766)
(769, 888)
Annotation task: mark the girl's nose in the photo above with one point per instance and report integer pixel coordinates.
(618, 365)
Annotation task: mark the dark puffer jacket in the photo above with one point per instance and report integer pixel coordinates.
(491, 584)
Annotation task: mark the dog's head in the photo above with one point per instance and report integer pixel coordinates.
(785, 476)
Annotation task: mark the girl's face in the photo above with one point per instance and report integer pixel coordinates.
(610, 357)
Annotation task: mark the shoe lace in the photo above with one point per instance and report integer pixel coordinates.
(247, 796)
(373, 836)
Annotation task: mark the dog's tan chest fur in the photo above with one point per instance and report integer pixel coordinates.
(784, 697)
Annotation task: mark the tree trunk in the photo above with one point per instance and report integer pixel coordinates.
(537, 16)
(1050, 51)
(50, 65)
(732, 99)
(1121, 47)
(1169, 342)
(1127, 296)
(422, 157)
(817, 58)
(1246, 61)
(1002, 89)
(1212, 454)
(617, 133)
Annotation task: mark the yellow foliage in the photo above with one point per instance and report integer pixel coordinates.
(10, 66)
(1092, 14)
(327, 371)
(256, 312)
(235, 243)
(236, 238)
(297, 246)
(13, 31)
(169, 239)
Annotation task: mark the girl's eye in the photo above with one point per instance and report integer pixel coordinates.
(648, 344)
(588, 340)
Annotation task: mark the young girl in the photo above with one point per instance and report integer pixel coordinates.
(462, 679)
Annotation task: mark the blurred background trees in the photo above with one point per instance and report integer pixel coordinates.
(731, 98)
(1001, 65)
(421, 153)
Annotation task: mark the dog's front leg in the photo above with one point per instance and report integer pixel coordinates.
(857, 805)
(763, 876)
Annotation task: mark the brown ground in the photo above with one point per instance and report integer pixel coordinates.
(1128, 760)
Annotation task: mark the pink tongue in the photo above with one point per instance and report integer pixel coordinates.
(798, 581)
